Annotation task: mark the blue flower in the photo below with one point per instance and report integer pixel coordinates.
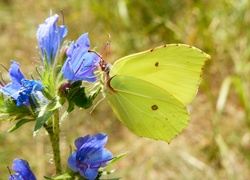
(90, 155)
(20, 88)
(22, 168)
(49, 37)
(80, 63)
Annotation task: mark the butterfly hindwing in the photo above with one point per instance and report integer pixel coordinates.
(147, 110)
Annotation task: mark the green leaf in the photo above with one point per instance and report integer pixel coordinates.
(42, 119)
(19, 124)
(71, 107)
(115, 159)
(45, 113)
(10, 112)
(75, 94)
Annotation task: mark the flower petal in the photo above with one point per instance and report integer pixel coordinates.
(28, 87)
(98, 140)
(72, 162)
(15, 73)
(80, 64)
(23, 169)
(102, 156)
(90, 174)
(92, 146)
(81, 140)
(49, 37)
(90, 155)
(16, 76)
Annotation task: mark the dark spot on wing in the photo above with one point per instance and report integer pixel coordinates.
(156, 64)
(154, 107)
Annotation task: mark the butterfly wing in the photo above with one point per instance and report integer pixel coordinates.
(175, 68)
(146, 109)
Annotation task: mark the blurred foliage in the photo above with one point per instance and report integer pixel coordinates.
(216, 144)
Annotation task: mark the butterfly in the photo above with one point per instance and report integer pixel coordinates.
(149, 91)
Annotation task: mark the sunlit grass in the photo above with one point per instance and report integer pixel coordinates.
(215, 145)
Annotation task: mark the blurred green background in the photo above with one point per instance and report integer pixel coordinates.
(216, 143)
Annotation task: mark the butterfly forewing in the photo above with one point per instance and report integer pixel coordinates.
(175, 68)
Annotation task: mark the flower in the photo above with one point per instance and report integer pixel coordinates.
(49, 37)
(80, 63)
(22, 168)
(90, 155)
(20, 88)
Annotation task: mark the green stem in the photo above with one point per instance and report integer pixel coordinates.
(54, 133)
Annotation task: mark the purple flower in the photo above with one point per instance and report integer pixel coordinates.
(49, 37)
(90, 155)
(22, 168)
(80, 63)
(20, 88)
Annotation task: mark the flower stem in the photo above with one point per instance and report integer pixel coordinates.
(54, 133)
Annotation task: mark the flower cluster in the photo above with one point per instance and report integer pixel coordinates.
(87, 159)
(65, 68)
(20, 88)
(90, 155)
(80, 65)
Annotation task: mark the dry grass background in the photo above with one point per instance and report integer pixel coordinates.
(216, 143)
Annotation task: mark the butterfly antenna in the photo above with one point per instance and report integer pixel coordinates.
(102, 63)
(108, 43)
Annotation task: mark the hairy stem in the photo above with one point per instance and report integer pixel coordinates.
(54, 133)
